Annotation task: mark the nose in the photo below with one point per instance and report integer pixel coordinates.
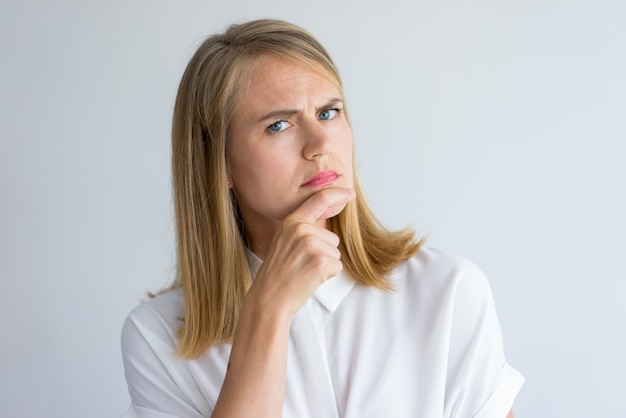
(317, 141)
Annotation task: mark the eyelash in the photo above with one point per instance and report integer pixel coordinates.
(273, 132)
(334, 109)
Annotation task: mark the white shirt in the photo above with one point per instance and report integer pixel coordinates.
(432, 348)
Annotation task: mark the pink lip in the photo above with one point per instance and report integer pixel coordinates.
(321, 179)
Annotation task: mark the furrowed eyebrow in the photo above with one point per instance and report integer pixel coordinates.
(285, 113)
(331, 103)
(279, 113)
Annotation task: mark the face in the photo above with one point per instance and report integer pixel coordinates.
(289, 138)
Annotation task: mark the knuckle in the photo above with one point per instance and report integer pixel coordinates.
(300, 228)
(309, 242)
(318, 261)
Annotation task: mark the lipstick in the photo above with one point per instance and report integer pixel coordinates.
(321, 178)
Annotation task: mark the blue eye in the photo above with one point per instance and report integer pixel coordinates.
(328, 114)
(278, 126)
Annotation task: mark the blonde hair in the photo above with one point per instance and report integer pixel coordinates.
(212, 266)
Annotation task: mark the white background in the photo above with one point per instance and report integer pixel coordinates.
(496, 127)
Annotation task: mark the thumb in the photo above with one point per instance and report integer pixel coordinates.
(319, 204)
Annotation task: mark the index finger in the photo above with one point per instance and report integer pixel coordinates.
(324, 204)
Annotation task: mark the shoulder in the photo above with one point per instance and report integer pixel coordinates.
(439, 286)
(157, 379)
(438, 270)
(451, 298)
(156, 319)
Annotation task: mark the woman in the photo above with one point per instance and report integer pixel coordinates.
(291, 299)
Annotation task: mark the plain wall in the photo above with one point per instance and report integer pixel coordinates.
(497, 128)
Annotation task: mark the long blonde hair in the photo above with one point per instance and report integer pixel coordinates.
(212, 267)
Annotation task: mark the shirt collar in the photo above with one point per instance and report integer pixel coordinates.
(330, 294)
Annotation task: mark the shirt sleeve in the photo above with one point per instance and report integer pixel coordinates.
(480, 383)
(159, 384)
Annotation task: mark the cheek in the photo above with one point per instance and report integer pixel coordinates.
(344, 148)
(258, 171)
(344, 138)
(348, 164)
(265, 187)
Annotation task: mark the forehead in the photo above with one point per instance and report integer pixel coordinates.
(270, 74)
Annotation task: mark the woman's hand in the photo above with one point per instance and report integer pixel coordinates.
(303, 254)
